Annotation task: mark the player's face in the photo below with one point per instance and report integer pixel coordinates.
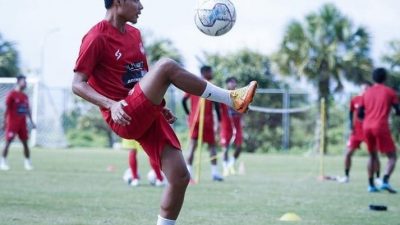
(231, 85)
(130, 10)
(22, 84)
(208, 75)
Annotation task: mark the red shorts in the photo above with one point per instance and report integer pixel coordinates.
(208, 134)
(19, 129)
(379, 139)
(148, 125)
(354, 142)
(227, 132)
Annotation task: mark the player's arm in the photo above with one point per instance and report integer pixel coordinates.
(3, 126)
(216, 107)
(351, 116)
(184, 104)
(81, 88)
(361, 113)
(397, 109)
(7, 111)
(30, 118)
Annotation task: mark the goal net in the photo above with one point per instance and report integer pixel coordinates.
(284, 117)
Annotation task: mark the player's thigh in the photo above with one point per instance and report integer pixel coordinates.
(385, 141)
(155, 84)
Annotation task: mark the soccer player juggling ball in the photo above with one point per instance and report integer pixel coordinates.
(112, 72)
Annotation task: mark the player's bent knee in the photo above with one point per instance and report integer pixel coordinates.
(180, 179)
(166, 65)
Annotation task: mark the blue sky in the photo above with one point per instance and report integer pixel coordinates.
(54, 28)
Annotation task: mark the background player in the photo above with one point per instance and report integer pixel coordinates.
(111, 72)
(230, 125)
(208, 126)
(17, 108)
(131, 175)
(356, 135)
(376, 104)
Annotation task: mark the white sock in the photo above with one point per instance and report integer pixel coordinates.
(190, 169)
(214, 170)
(163, 221)
(3, 161)
(232, 161)
(217, 94)
(225, 164)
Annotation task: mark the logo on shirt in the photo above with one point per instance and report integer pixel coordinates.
(134, 73)
(118, 54)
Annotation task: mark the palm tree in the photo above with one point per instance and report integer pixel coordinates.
(8, 59)
(393, 56)
(327, 49)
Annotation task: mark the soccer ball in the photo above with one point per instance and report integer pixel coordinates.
(151, 177)
(215, 17)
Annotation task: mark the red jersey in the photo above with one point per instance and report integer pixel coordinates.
(17, 107)
(113, 61)
(195, 110)
(378, 101)
(355, 105)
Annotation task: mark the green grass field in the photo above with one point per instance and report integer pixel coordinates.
(74, 187)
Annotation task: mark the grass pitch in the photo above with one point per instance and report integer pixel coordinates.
(75, 187)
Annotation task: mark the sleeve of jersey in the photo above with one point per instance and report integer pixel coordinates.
(9, 100)
(89, 54)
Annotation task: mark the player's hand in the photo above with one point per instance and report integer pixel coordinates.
(33, 125)
(118, 114)
(169, 116)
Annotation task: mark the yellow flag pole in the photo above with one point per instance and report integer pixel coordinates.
(322, 139)
(200, 139)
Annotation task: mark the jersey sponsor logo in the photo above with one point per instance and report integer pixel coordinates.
(118, 54)
(134, 73)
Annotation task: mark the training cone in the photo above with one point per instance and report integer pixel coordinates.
(290, 217)
(242, 169)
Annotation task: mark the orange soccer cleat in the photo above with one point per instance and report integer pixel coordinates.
(242, 97)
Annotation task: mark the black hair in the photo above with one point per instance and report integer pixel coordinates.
(204, 69)
(230, 79)
(379, 75)
(108, 3)
(21, 77)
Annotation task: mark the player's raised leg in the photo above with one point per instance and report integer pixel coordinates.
(167, 71)
(174, 168)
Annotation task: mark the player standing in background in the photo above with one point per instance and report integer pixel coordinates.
(17, 108)
(356, 135)
(376, 105)
(131, 176)
(111, 72)
(230, 125)
(208, 126)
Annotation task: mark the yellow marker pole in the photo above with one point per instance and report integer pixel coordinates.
(200, 138)
(322, 139)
